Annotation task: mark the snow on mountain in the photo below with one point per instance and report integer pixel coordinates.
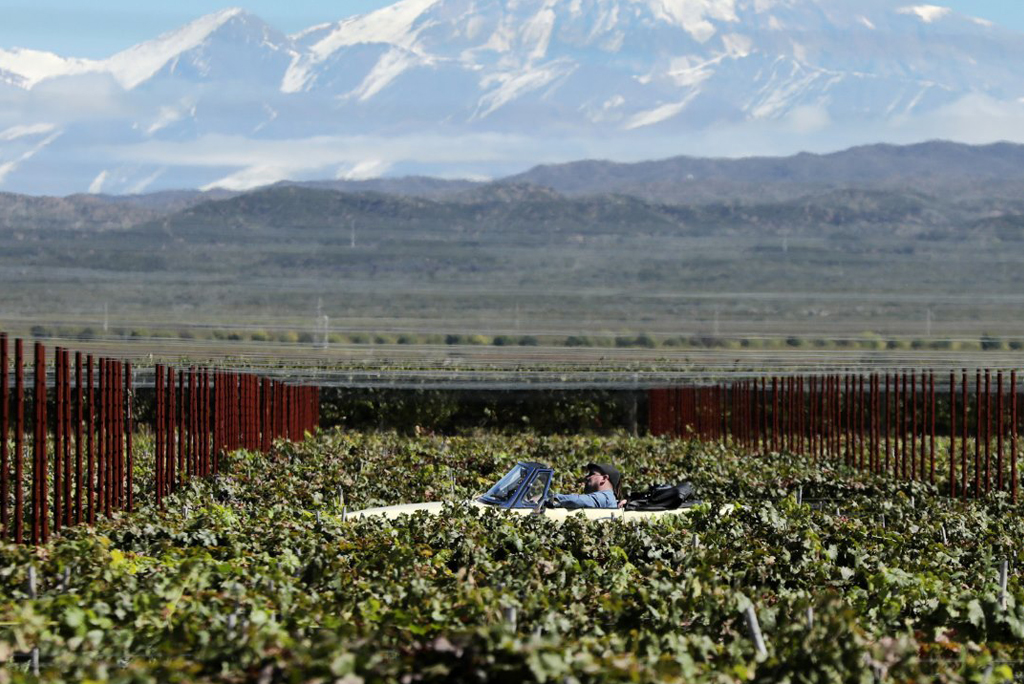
(757, 59)
(26, 147)
(130, 67)
(393, 25)
(26, 68)
(483, 87)
(136, 64)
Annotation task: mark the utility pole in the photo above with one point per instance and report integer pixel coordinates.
(633, 406)
(322, 322)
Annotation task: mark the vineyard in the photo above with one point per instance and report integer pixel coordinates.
(854, 527)
(258, 574)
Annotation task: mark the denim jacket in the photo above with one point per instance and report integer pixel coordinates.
(602, 499)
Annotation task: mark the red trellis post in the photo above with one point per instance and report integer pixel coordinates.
(5, 403)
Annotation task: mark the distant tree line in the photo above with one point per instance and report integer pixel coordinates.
(986, 342)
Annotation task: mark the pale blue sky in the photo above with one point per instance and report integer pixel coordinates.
(102, 27)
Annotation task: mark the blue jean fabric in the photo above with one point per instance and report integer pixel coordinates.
(603, 499)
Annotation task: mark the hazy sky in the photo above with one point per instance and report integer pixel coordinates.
(102, 27)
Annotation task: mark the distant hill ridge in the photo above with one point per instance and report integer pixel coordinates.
(943, 171)
(525, 214)
(931, 166)
(935, 165)
(938, 222)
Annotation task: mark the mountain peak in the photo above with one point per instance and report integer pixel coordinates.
(487, 88)
(138, 63)
(391, 25)
(24, 68)
(130, 67)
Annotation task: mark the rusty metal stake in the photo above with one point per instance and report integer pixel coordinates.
(913, 426)
(812, 418)
(924, 422)
(90, 475)
(79, 414)
(40, 526)
(902, 439)
(58, 437)
(999, 432)
(860, 423)
(129, 394)
(872, 424)
(193, 423)
(69, 509)
(4, 407)
(158, 434)
(101, 436)
(952, 434)
(171, 384)
(878, 423)
(931, 381)
(215, 427)
(977, 435)
(988, 431)
(19, 442)
(844, 432)
(111, 430)
(963, 436)
(117, 415)
(1013, 436)
(182, 408)
(775, 415)
(888, 415)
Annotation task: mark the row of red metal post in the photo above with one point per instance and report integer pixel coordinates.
(88, 465)
(886, 423)
(693, 412)
(181, 444)
(83, 460)
(200, 414)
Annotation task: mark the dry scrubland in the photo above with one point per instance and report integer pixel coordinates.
(815, 265)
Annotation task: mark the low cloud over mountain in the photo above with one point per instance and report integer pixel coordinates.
(485, 88)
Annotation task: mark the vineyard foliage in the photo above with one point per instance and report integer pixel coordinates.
(258, 576)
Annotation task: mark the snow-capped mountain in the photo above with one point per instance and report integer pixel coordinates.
(217, 46)
(485, 87)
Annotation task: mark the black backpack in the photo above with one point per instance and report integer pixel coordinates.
(663, 497)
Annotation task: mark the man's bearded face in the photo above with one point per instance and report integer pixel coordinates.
(593, 481)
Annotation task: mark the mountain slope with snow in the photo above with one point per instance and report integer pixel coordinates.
(482, 88)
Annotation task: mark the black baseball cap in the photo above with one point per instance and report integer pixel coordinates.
(606, 469)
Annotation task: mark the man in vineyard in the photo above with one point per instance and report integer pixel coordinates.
(600, 489)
